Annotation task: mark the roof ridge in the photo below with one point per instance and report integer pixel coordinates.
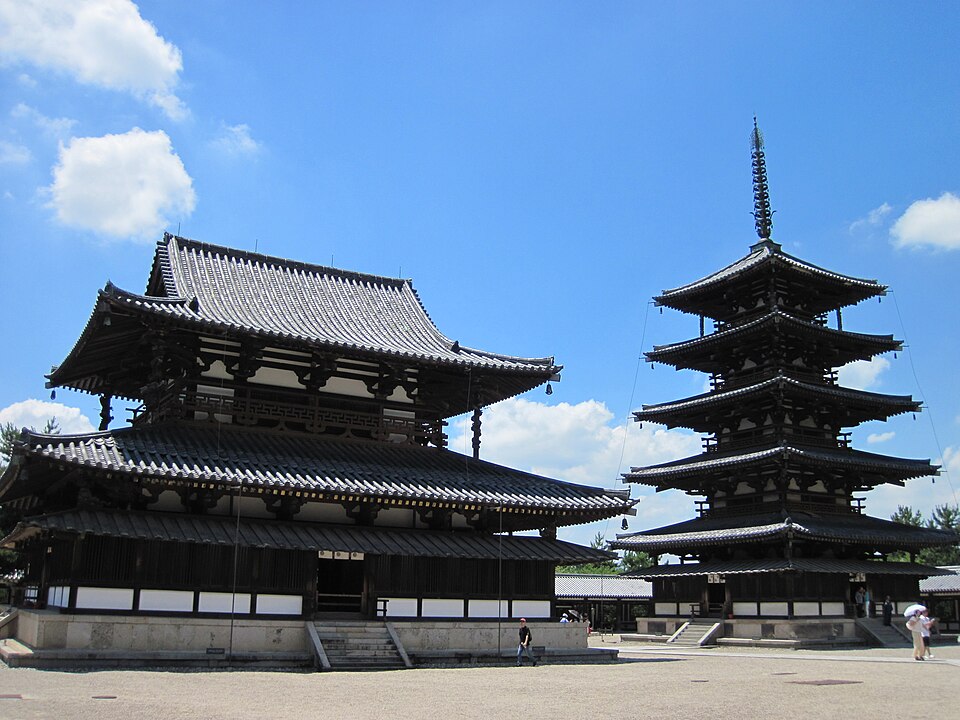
(285, 262)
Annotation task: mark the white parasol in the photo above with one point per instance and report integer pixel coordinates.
(913, 609)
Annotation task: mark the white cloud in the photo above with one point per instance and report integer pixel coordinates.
(874, 438)
(863, 374)
(872, 219)
(11, 154)
(36, 413)
(236, 140)
(578, 443)
(99, 42)
(58, 128)
(121, 185)
(933, 223)
(26, 81)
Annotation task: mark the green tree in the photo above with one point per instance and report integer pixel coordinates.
(943, 517)
(633, 561)
(607, 567)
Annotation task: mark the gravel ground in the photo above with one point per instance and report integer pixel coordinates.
(650, 682)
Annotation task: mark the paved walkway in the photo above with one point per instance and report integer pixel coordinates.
(653, 683)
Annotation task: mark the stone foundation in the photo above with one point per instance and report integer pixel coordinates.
(819, 629)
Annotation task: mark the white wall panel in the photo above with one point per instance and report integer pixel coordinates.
(222, 602)
(442, 607)
(744, 609)
(487, 608)
(531, 608)
(105, 598)
(279, 604)
(773, 609)
(166, 600)
(401, 607)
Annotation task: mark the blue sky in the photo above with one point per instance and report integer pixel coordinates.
(539, 169)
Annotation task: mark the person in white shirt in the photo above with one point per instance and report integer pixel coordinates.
(914, 625)
(925, 624)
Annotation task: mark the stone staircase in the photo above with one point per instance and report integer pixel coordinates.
(690, 633)
(357, 645)
(883, 635)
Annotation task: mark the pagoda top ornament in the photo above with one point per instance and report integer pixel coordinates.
(762, 214)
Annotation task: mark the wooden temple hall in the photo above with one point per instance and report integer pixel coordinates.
(286, 457)
(781, 533)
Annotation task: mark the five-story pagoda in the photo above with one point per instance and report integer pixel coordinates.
(779, 533)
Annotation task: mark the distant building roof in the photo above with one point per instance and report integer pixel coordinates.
(213, 530)
(947, 584)
(768, 565)
(872, 468)
(227, 292)
(849, 528)
(232, 456)
(833, 287)
(612, 587)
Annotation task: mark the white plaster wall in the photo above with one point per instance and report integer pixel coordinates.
(487, 608)
(223, 602)
(276, 377)
(665, 609)
(279, 604)
(169, 501)
(95, 598)
(806, 609)
(744, 609)
(324, 512)
(531, 608)
(773, 609)
(346, 386)
(401, 607)
(833, 608)
(442, 607)
(166, 600)
(394, 517)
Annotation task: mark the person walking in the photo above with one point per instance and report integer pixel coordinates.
(926, 623)
(526, 638)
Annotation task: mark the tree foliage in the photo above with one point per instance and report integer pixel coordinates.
(943, 517)
(631, 561)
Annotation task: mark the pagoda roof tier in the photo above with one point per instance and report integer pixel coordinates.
(238, 295)
(713, 353)
(290, 535)
(716, 530)
(822, 290)
(849, 406)
(827, 566)
(845, 465)
(319, 469)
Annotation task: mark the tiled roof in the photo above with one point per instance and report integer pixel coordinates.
(769, 252)
(741, 567)
(874, 344)
(296, 462)
(847, 397)
(211, 530)
(726, 530)
(948, 584)
(836, 458)
(222, 288)
(613, 587)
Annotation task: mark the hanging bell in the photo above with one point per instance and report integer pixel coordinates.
(53, 394)
(549, 389)
(623, 525)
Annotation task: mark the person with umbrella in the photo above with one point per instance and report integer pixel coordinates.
(915, 626)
